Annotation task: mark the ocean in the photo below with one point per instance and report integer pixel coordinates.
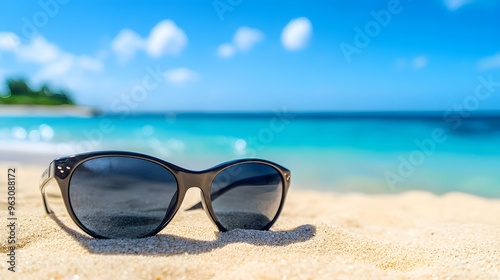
(369, 153)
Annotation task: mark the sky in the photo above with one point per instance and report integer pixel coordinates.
(242, 55)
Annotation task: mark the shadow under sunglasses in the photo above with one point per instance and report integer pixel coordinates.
(176, 245)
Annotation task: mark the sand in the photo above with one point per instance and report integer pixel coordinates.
(319, 235)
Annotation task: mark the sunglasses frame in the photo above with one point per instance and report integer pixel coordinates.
(62, 169)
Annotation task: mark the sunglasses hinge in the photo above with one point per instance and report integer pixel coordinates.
(62, 168)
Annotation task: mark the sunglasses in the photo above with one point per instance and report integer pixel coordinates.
(129, 195)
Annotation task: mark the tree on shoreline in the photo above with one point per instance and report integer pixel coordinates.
(20, 93)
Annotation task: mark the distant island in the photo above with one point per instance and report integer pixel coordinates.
(20, 93)
(19, 99)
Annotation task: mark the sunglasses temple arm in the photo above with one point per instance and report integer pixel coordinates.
(229, 187)
(47, 176)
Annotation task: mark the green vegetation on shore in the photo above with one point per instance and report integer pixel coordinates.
(20, 93)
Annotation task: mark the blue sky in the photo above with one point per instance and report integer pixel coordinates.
(257, 55)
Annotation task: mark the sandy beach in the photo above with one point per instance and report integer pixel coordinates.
(319, 235)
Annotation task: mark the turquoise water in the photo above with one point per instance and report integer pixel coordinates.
(371, 154)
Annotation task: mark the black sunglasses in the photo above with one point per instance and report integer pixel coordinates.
(129, 195)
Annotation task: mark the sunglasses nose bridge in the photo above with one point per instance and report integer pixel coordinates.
(195, 179)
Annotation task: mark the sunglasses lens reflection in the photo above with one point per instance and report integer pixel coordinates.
(122, 197)
(247, 196)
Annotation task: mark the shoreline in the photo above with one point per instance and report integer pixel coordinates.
(40, 161)
(46, 110)
(77, 110)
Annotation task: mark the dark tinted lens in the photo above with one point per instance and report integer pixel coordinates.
(120, 197)
(247, 196)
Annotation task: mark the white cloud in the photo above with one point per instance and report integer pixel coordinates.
(296, 34)
(245, 38)
(69, 67)
(165, 38)
(126, 44)
(89, 63)
(56, 68)
(180, 76)
(74, 72)
(419, 62)
(454, 5)
(490, 62)
(55, 65)
(8, 41)
(226, 50)
(38, 50)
